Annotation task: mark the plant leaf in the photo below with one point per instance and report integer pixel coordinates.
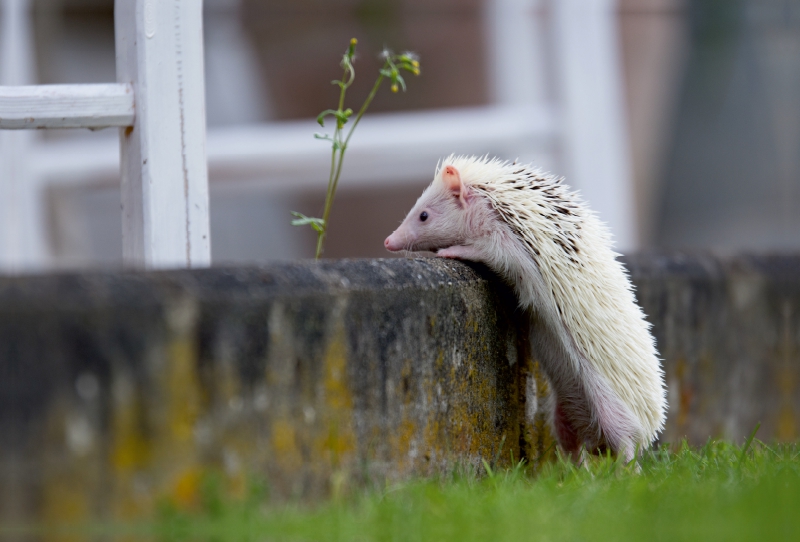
(302, 220)
(321, 116)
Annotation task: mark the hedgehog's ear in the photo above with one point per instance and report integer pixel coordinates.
(452, 181)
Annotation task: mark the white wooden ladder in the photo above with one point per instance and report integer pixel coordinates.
(158, 103)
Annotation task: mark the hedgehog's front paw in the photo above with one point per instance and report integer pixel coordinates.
(458, 252)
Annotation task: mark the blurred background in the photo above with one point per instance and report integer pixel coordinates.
(679, 120)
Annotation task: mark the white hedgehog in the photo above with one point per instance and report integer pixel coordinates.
(588, 332)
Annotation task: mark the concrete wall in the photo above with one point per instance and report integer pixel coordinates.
(728, 330)
(119, 390)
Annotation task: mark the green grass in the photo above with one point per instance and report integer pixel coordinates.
(721, 492)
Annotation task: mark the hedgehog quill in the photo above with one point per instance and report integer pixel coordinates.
(588, 333)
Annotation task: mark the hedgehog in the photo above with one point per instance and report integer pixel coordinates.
(587, 332)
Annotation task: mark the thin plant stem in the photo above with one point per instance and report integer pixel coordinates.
(364, 107)
(333, 182)
(392, 64)
(335, 171)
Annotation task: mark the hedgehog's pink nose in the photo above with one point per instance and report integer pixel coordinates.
(392, 243)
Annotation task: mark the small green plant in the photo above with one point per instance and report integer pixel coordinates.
(392, 66)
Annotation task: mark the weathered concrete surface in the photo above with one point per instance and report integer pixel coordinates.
(118, 390)
(728, 330)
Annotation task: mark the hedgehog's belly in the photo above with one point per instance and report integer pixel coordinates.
(574, 421)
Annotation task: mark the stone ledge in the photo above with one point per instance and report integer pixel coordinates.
(120, 389)
(728, 329)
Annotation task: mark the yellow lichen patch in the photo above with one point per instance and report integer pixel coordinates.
(337, 394)
(545, 442)
(787, 425)
(788, 354)
(538, 441)
(786, 381)
(434, 439)
(338, 441)
(130, 451)
(439, 359)
(400, 441)
(237, 485)
(70, 477)
(787, 385)
(66, 498)
(185, 491)
(685, 393)
(284, 446)
(469, 421)
(240, 452)
(173, 443)
(183, 390)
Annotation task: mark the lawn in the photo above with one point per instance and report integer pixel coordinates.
(720, 492)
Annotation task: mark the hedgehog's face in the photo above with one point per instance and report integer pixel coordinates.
(440, 218)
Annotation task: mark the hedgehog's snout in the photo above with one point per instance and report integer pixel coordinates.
(393, 243)
(402, 238)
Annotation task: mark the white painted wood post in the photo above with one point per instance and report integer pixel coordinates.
(596, 146)
(165, 219)
(22, 209)
(518, 75)
(515, 47)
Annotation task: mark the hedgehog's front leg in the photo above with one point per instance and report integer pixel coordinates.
(460, 252)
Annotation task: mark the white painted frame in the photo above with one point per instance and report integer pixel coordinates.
(159, 105)
(66, 106)
(22, 215)
(592, 112)
(165, 219)
(557, 100)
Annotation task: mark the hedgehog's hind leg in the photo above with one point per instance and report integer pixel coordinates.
(566, 433)
(619, 427)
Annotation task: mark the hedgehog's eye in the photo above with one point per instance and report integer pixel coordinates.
(423, 216)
